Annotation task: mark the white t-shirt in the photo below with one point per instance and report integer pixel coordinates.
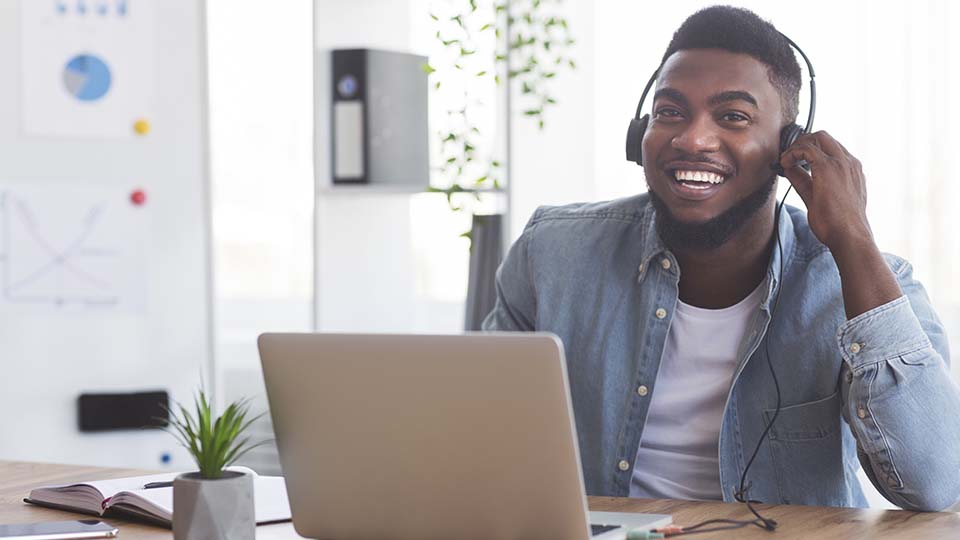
(678, 454)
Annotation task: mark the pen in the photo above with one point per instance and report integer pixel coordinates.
(152, 485)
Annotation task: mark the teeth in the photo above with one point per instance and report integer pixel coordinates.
(699, 176)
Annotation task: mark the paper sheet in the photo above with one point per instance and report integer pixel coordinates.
(70, 247)
(88, 67)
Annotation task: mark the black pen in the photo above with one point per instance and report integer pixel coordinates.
(152, 485)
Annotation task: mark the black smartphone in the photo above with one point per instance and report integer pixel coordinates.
(59, 530)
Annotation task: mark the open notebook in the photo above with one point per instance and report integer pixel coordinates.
(125, 497)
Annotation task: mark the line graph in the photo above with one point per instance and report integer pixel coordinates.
(61, 249)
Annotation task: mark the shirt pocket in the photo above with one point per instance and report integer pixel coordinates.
(806, 447)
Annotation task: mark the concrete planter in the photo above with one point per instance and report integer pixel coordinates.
(220, 509)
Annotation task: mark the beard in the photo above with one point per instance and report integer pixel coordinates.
(712, 233)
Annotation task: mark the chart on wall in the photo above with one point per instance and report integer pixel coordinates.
(71, 248)
(88, 67)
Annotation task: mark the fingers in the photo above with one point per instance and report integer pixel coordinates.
(803, 150)
(825, 142)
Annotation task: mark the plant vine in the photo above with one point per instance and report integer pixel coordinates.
(477, 46)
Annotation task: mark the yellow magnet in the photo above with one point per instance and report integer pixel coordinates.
(141, 127)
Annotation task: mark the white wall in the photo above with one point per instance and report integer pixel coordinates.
(557, 165)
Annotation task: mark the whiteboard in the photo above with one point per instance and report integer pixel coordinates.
(104, 220)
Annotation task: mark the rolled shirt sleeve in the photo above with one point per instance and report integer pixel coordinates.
(901, 401)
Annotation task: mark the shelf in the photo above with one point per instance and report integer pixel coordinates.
(375, 189)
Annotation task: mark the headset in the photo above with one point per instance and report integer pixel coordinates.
(789, 133)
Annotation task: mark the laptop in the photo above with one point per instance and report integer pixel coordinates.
(402, 437)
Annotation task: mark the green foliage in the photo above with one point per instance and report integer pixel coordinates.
(214, 444)
(531, 45)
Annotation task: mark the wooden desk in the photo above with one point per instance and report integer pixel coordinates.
(796, 522)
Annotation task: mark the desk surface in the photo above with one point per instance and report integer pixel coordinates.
(796, 522)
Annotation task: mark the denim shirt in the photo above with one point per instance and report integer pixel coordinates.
(874, 390)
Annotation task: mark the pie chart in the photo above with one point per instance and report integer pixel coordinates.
(86, 77)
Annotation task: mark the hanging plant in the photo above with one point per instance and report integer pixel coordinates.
(526, 41)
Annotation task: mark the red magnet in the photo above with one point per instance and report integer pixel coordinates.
(138, 197)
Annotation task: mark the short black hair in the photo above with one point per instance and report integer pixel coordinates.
(740, 30)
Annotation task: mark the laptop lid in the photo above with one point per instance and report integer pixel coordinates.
(426, 437)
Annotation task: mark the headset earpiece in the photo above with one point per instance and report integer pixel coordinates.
(788, 135)
(635, 139)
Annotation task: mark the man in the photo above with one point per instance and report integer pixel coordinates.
(665, 303)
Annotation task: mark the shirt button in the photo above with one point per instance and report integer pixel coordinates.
(854, 347)
(665, 264)
(849, 376)
(861, 412)
(661, 313)
(642, 390)
(624, 465)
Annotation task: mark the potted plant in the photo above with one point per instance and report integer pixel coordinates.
(213, 503)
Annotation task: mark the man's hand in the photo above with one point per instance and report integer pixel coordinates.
(835, 193)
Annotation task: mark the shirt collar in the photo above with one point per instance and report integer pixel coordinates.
(653, 246)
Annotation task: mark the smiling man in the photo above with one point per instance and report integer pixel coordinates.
(671, 303)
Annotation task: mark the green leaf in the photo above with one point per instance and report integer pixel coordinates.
(540, 124)
(549, 75)
(480, 181)
(500, 57)
(532, 112)
(427, 68)
(494, 163)
(213, 442)
(473, 5)
(434, 17)
(481, 73)
(496, 79)
(457, 19)
(486, 27)
(496, 184)
(465, 52)
(573, 65)
(436, 86)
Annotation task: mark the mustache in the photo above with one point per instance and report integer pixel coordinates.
(693, 158)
